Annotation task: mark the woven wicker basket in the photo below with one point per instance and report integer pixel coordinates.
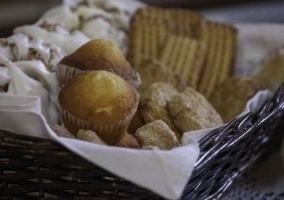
(36, 168)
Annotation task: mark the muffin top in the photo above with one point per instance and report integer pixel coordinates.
(100, 97)
(101, 54)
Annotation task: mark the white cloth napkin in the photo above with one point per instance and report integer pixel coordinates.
(163, 172)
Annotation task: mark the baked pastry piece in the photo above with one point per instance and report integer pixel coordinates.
(231, 97)
(60, 130)
(20, 47)
(128, 141)
(28, 67)
(191, 111)
(54, 34)
(157, 134)
(221, 40)
(70, 26)
(100, 101)
(89, 136)
(154, 104)
(270, 70)
(152, 71)
(97, 54)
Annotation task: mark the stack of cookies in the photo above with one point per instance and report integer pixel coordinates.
(199, 51)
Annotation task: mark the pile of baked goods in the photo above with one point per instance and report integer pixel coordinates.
(138, 80)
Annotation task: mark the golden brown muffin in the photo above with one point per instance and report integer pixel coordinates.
(99, 101)
(157, 134)
(270, 70)
(231, 97)
(97, 54)
(154, 104)
(191, 111)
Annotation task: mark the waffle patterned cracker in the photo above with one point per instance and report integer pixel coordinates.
(174, 17)
(151, 26)
(198, 50)
(220, 40)
(184, 56)
(145, 39)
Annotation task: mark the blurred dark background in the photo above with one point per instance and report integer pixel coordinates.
(19, 12)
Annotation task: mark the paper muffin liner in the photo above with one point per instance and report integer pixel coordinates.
(110, 133)
(66, 72)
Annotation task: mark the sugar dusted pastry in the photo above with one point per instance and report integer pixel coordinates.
(60, 130)
(191, 111)
(97, 54)
(89, 136)
(152, 71)
(128, 141)
(154, 104)
(100, 101)
(157, 134)
(231, 97)
(270, 70)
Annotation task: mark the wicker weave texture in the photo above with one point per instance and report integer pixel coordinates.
(35, 168)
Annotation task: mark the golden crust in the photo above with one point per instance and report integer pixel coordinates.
(157, 134)
(99, 97)
(191, 111)
(100, 54)
(230, 98)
